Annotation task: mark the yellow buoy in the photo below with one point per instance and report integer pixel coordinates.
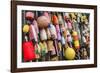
(74, 33)
(73, 15)
(26, 28)
(70, 53)
(76, 43)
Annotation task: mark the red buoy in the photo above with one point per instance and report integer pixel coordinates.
(28, 51)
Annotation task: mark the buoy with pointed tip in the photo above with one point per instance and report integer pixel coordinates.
(55, 20)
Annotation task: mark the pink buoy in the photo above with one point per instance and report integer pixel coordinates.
(29, 15)
(43, 22)
(36, 26)
(46, 14)
(69, 25)
(32, 33)
(58, 32)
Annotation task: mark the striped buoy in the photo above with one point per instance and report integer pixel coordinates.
(32, 33)
(76, 40)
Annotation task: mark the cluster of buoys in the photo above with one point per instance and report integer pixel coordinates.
(54, 36)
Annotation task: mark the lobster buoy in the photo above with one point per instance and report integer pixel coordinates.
(73, 16)
(28, 51)
(43, 47)
(76, 39)
(37, 51)
(58, 32)
(43, 22)
(51, 47)
(53, 31)
(66, 16)
(26, 28)
(48, 33)
(59, 46)
(32, 33)
(63, 31)
(43, 35)
(60, 19)
(55, 20)
(69, 24)
(69, 53)
(79, 17)
(69, 38)
(84, 53)
(83, 18)
(46, 14)
(63, 40)
(29, 15)
(36, 26)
